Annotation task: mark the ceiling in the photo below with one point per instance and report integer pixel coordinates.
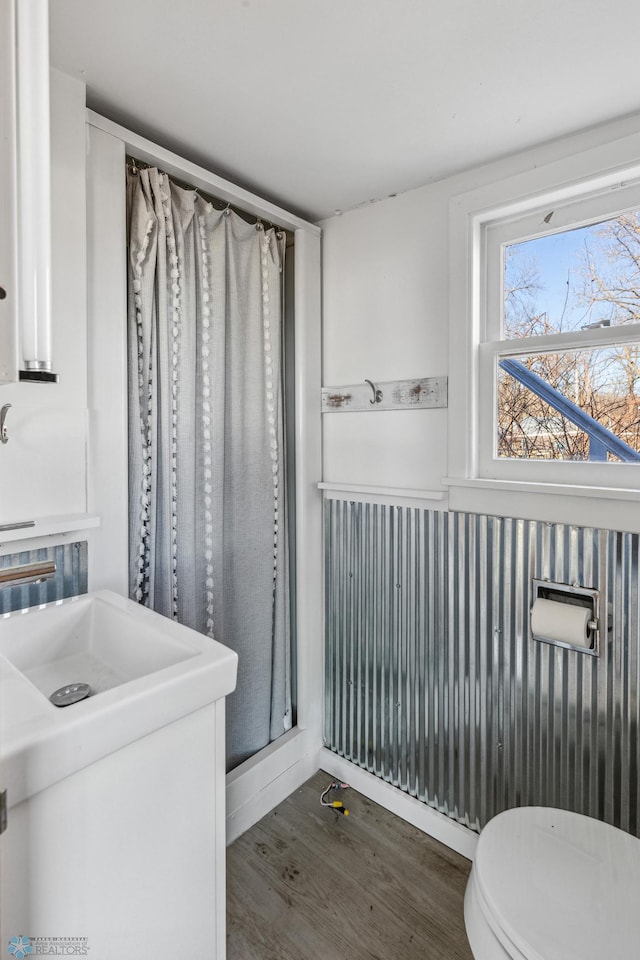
(326, 105)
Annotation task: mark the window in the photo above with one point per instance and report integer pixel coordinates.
(558, 342)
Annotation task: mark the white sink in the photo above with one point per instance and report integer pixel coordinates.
(95, 640)
(145, 671)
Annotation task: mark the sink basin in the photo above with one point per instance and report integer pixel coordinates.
(94, 640)
(145, 671)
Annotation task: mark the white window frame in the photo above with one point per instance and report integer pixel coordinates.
(594, 185)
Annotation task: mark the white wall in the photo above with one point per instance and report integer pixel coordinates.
(43, 466)
(386, 316)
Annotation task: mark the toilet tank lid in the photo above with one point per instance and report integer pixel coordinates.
(559, 885)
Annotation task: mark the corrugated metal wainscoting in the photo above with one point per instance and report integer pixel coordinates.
(433, 681)
(70, 578)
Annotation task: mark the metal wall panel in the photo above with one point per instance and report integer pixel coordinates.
(434, 684)
(70, 578)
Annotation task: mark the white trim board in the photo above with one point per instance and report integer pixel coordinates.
(149, 152)
(392, 496)
(425, 818)
(265, 780)
(33, 537)
(107, 460)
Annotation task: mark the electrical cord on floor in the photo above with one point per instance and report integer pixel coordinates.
(336, 805)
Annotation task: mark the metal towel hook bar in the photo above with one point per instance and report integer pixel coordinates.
(36, 572)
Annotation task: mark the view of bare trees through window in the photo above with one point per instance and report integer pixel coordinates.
(574, 280)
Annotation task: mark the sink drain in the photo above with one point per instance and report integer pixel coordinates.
(70, 693)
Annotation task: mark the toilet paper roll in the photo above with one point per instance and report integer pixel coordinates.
(561, 622)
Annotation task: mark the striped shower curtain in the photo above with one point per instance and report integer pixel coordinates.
(207, 506)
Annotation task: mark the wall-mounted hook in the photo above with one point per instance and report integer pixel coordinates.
(413, 394)
(377, 394)
(4, 436)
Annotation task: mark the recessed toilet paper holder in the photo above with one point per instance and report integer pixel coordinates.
(574, 595)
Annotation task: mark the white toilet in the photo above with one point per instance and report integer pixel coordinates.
(552, 885)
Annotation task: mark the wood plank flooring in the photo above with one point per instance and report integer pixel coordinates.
(307, 883)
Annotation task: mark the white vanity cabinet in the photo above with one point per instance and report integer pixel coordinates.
(127, 854)
(115, 837)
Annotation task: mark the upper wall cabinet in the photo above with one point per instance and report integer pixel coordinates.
(8, 212)
(25, 192)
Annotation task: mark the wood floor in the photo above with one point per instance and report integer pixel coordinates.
(307, 883)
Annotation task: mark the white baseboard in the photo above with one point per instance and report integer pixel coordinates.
(261, 783)
(425, 818)
(265, 780)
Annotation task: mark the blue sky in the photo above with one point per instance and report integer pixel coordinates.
(558, 261)
(557, 257)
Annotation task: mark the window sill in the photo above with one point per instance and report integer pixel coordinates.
(559, 489)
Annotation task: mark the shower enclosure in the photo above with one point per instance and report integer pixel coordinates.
(286, 761)
(208, 491)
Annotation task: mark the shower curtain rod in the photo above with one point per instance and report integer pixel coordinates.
(134, 166)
